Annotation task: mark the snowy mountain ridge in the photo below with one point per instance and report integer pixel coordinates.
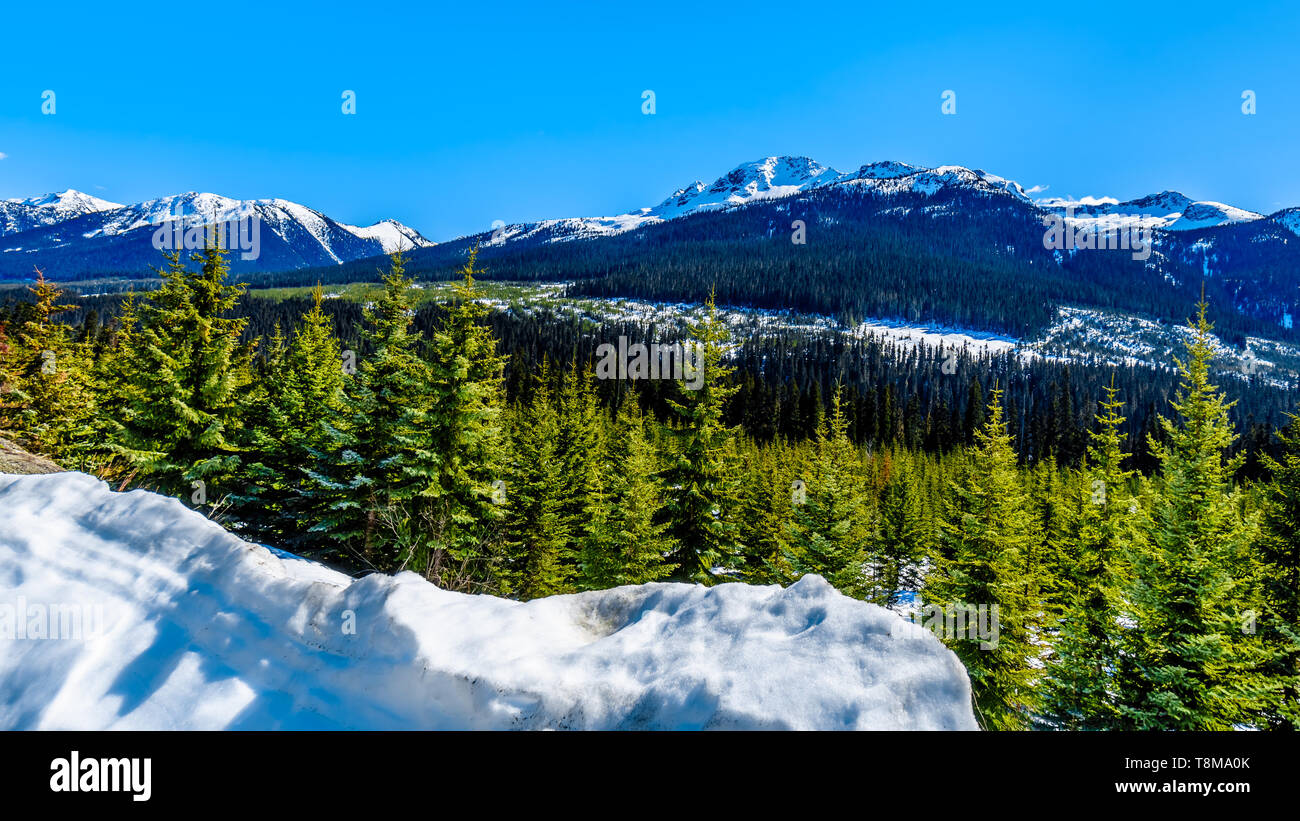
(778, 177)
(75, 223)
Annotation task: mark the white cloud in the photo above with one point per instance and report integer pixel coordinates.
(3, 156)
(1060, 202)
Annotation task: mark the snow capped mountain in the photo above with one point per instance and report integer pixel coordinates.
(768, 178)
(72, 233)
(393, 235)
(1288, 219)
(1168, 210)
(22, 215)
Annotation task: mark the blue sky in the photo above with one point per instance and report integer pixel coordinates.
(479, 112)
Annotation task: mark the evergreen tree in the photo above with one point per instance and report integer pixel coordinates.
(1194, 663)
(1279, 574)
(902, 540)
(1087, 662)
(580, 457)
(179, 371)
(700, 477)
(829, 530)
(377, 463)
(467, 435)
(766, 506)
(539, 557)
(628, 544)
(50, 404)
(987, 536)
(299, 389)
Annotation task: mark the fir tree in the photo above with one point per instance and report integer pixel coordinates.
(628, 544)
(1087, 662)
(1279, 574)
(1194, 663)
(700, 477)
(180, 371)
(828, 531)
(987, 536)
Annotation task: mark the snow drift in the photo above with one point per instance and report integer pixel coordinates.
(130, 611)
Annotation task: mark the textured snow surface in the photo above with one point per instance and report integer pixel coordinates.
(202, 630)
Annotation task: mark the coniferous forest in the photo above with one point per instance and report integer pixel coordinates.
(1136, 530)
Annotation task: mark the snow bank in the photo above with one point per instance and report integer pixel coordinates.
(130, 611)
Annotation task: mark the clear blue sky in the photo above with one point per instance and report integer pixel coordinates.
(518, 111)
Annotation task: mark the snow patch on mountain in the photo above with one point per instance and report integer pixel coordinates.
(48, 209)
(1168, 210)
(181, 625)
(391, 234)
(313, 236)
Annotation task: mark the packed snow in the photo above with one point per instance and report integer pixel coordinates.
(131, 611)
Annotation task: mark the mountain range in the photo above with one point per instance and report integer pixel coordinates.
(73, 235)
(889, 240)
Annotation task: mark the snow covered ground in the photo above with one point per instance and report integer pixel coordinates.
(131, 611)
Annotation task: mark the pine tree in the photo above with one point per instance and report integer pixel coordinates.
(829, 530)
(50, 404)
(987, 536)
(300, 388)
(1194, 663)
(628, 544)
(378, 463)
(1279, 574)
(180, 371)
(1087, 662)
(539, 560)
(700, 477)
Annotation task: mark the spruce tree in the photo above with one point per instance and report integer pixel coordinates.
(766, 505)
(986, 540)
(1087, 659)
(538, 552)
(628, 544)
(50, 404)
(300, 388)
(1193, 660)
(467, 434)
(902, 538)
(179, 373)
(829, 530)
(700, 479)
(1279, 575)
(377, 462)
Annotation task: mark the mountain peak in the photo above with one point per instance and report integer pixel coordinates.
(766, 178)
